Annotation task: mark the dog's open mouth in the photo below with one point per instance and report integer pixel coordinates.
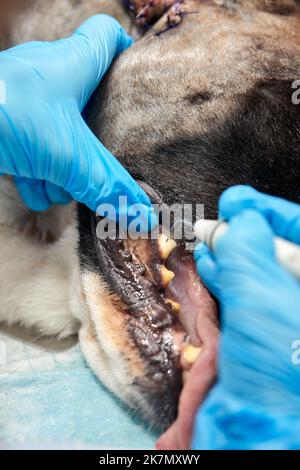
(162, 298)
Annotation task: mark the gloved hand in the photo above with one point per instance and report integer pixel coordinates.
(45, 143)
(256, 401)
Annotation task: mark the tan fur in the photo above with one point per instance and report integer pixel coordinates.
(39, 280)
(120, 360)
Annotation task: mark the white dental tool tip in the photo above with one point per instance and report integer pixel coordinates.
(287, 253)
(208, 231)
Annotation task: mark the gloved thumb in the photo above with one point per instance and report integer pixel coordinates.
(283, 215)
(88, 54)
(39, 195)
(33, 193)
(206, 267)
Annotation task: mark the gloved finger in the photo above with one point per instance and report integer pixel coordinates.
(33, 193)
(207, 268)
(248, 240)
(56, 194)
(97, 179)
(88, 54)
(283, 216)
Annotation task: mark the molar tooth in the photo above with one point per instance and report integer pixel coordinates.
(189, 355)
(166, 276)
(174, 305)
(166, 246)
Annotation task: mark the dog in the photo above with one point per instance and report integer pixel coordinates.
(201, 101)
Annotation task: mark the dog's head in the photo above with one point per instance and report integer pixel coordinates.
(188, 112)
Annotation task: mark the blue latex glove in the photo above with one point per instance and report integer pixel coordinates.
(256, 402)
(45, 143)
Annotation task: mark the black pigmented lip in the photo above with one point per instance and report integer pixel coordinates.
(150, 319)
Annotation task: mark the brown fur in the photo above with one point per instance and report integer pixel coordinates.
(218, 50)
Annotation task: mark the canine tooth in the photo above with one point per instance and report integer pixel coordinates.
(166, 246)
(189, 355)
(174, 305)
(166, 276)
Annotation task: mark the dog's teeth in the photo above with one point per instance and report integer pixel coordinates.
(166, 246)
(174, 305)
(189, 355)
(166, 276)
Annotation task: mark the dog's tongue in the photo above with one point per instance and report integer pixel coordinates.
(199, 316)
(189, 292)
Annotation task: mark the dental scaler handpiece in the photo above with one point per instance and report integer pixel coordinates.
(288, 253)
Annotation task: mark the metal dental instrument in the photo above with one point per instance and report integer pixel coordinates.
(288, 253)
